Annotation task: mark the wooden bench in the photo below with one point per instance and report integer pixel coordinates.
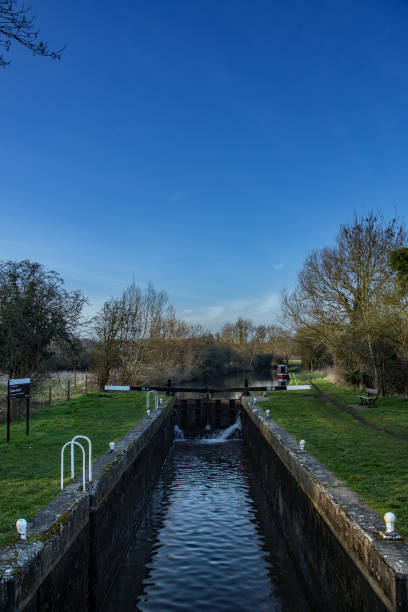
(370, 398)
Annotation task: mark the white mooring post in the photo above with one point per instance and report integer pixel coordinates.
(21, 527)
(89, 457)
(302, 445)
(389, 533)
(71, 443)
(389, 518)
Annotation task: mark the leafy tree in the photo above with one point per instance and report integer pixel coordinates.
(399, 263)
(17, 25)
(35, 312)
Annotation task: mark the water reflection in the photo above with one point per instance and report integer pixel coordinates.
(207, 540)
(261, 379)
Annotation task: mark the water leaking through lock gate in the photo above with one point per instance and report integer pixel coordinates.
(208, 539)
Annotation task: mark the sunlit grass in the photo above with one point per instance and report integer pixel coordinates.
(371, 463)
(389, 412)
(29, 465)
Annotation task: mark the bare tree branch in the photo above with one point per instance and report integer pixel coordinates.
(17, 25)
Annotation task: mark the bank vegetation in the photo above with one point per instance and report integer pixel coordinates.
(349, 310)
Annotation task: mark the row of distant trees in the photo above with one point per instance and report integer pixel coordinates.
(350, 306)
(138, 338)
(134, 338)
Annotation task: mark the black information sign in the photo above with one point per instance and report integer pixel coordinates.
(18, 388)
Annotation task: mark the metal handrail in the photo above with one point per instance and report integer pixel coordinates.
(89, 457)
(71, 443)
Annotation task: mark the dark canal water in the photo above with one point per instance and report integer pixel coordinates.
(207, 540)
(261, 379)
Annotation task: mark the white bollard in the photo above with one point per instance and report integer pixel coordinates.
(389, 518)
(268, 414)
(148, 413)
(302, 445)
(21, 527)
(111, 446)
(389, 533)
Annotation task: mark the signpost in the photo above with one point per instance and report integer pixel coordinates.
(17, 389)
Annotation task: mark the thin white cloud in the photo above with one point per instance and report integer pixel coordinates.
(271, 303)
(176, 197)
(278, 266)
(261, 310)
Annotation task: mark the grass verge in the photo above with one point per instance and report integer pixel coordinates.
(30, 465)
(371, 463)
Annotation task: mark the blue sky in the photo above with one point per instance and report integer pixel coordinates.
(204, 146)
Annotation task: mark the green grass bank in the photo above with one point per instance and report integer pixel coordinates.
(30, 465)
(372, 463)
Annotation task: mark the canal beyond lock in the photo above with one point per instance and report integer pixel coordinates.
(208, 540)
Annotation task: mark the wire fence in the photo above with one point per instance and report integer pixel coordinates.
(59, 386)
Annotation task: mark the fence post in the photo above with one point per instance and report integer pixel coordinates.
(68, 390)
(49, 396)
(8, 415)
(86, 383)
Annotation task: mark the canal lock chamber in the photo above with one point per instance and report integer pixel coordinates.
(204, 523)
(223, 486)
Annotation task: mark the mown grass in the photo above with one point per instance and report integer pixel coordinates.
(389, 412)
(30, 465)
(371, 463)
(299, 376)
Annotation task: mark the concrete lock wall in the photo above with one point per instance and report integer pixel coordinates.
(329, 530)
(75, 544)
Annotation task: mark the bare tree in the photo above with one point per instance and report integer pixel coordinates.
(107, 326)
(345, 291)
(18, 25)
(127, 330)
(143, 323)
